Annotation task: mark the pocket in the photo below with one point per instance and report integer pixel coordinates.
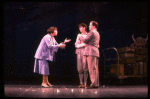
(94, 70)
(94, 67)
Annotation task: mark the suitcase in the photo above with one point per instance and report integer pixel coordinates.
(126, 55)
(129, 60)
(140, 58)
(141, 51)
(128, 69)
(125, 49)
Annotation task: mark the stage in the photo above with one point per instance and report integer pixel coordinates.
(72, 91)
(30, 87)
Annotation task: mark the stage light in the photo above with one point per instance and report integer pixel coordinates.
(82, 90)
(95, 92)
(33, 90)
(58, 91)
(72, 90)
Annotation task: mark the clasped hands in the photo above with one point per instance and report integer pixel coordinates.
(63, 44)
(83, 44)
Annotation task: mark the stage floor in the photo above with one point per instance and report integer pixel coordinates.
(72, 91)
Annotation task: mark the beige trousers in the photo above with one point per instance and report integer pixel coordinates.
(93, 69)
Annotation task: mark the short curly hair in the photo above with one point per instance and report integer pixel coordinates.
(51, 29)
(83, 25)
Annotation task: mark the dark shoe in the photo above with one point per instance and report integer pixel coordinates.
(92, 86)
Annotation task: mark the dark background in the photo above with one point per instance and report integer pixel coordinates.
(25, 23)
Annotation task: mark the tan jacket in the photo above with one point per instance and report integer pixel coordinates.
(92, 40)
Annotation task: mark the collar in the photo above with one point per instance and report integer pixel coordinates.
(94, 30)
(49, 35)
(85, 33)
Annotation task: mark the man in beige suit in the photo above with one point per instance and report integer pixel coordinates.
(91, 53)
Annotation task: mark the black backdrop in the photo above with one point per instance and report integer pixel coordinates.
(25, 23)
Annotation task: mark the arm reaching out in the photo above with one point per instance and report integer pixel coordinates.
(67, 40)
(61, 45)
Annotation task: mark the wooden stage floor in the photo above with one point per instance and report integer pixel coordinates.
(72, 91)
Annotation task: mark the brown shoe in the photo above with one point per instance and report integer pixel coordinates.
(81, 86)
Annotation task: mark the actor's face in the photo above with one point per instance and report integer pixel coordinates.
(81, 29)
(91, 27)
(55, 32)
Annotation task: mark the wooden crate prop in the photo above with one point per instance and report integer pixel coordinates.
(142, 68)
(122, 69)
(135, 69)
(114, 69)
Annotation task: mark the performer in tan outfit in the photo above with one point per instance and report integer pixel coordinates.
(80, 46)
(91, 53)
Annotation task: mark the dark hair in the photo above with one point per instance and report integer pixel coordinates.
(83, 25)
(94, 23)
(51, 29)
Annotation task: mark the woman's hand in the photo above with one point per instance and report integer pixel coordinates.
(61, 45)
(66, 41)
